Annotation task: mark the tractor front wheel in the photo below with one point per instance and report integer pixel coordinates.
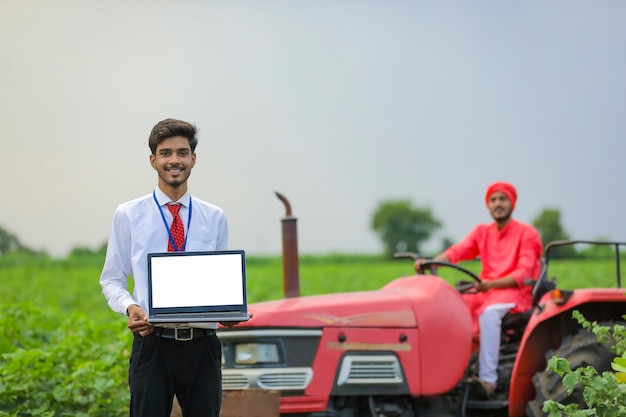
(581, 349)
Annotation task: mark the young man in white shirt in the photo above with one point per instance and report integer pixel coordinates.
(162, 366)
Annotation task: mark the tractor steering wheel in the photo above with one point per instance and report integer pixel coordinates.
(431, 264)
(463, 287)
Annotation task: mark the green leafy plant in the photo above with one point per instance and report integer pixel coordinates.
(69, 366)
(619, 365)
(605, 393)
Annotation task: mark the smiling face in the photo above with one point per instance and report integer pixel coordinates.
(500, 208)
(173, 161)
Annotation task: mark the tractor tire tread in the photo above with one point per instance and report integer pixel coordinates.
(581, 349)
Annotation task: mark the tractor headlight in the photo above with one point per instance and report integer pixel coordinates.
(256, 353)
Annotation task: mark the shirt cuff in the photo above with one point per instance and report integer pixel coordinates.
(125, 303)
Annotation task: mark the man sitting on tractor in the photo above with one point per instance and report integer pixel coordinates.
(510, 253)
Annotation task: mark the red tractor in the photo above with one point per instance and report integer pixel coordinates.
(407, 349)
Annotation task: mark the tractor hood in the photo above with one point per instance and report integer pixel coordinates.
(398, 304)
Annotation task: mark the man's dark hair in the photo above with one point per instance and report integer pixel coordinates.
(169, 128)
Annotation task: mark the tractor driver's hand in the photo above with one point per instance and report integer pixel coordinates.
(483, 286)
(418, 265)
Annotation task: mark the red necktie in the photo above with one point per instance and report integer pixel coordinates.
(176, 229)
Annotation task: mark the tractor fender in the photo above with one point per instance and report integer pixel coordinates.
(550, 322)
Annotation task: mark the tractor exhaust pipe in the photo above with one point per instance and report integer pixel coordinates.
(291, 274)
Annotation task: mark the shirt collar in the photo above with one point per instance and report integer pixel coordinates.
(505, 228)
(163, 199)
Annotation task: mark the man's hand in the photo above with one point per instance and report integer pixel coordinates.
(138, 321)
(483, 286)
(442, 257)
(418, 265)
(506, 282)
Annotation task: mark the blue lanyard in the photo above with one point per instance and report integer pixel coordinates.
(169, 232)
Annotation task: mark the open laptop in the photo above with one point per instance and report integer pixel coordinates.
(188, 287)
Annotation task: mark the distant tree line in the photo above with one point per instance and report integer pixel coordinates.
(11, 245)
(403, 226)
(400, 225)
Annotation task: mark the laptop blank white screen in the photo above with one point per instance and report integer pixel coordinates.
(197, 280)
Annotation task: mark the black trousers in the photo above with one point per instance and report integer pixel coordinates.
(160, 368)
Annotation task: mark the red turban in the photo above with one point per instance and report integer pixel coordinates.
(505, 188)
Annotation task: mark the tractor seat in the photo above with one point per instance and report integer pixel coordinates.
(518, 321)
(514, 321)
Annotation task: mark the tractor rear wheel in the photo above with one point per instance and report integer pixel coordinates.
(581, 349)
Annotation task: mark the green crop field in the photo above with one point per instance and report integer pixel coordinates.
(64, 353)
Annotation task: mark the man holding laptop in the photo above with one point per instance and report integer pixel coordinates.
(167, 359)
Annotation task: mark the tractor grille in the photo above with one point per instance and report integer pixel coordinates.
(283, 380)
(290, 371)
(370, 369)
(234, 381)
(286, 379)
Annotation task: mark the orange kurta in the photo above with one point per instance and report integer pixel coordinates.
(514, 251)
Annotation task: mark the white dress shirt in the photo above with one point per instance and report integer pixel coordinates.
(138, 229)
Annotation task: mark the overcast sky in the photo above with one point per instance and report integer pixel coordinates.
(335, 104)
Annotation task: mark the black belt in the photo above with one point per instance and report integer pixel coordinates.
(183, 334)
